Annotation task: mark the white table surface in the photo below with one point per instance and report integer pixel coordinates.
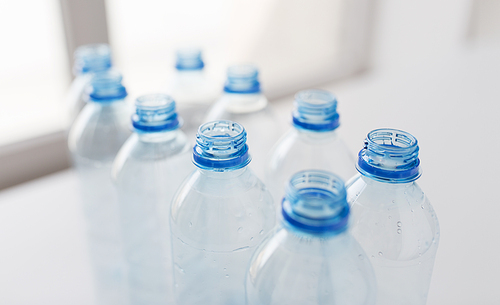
(450, 104)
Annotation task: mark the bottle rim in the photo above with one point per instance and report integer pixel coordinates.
(242, 79)
(155, 113)
(315, 110)
(106, 86)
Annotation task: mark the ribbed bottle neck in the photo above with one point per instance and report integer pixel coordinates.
(315, 110)
(242, 79)
(189, 60)
(107, 86)
(155, 113)
(92, 58)
(390, 155)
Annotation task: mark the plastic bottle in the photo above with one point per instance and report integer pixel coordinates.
(311, 258)
(89, 59)
(147, 171)
(191, 88)
(311, 143)
(99, 131)
(242, 101)
(219, 216)
(392, 218)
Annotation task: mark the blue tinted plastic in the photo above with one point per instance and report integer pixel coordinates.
(217, 220)
(392, 218)
(147, 171)
(221, 146)
(311, 258)
(390, 155)
(92, 58)
(242, 79)
(155, 113)
(189, 59)
(107, 87)
(316, 110)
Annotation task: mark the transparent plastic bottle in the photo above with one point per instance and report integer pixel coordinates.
(99, 131)
(219, 216)
(193, 91)
(89, 59)
(147, 171)
(392, 218)
(311, 258)
(242, 101)
(312, 143)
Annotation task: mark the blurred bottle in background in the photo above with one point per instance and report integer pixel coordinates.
(89, 59)
(392, 218)
(311, 258)
(192, 90)
(219, 216)
(97, 134)
(146, 182)
(312, 143)
(242, 101)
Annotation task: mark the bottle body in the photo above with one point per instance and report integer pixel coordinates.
(147, 171)
(399, 231)
(252, 111)
(95, 138)
(301, 149)
(218, 219)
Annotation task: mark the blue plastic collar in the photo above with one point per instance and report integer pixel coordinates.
(92, 58)
(315, 110)
(221, 146)
(242, 79)
(316, 202)
(189, 60)
(155, 113)
(107, 87)
(390, 155)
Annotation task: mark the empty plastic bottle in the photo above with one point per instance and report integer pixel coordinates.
(147, 171)
(243, 102)
(192, 90)
(89, 59)
(312, 143)
(392, 218)
(99, 131)
(219, 216)
(311, 258)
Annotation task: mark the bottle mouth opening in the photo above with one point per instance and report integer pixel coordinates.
(390, 155)
(155, 113)
(315, 110)
(189, 59)
(92, 58)
(315, 201)
(107, 86)
(242, 79)
(221, 145)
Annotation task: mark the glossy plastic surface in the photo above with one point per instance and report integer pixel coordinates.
(242, 101)
(312, 143)
(218, 218)
(147, 171)
(392, 218)
(311, 258)
(94, 139)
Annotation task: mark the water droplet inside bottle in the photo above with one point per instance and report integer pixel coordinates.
(373, 256)
(190, 224)
(225, 269)
(411, 210)
(393, 201)
(240, 229)
(390, 216)
(380, 253)
(399, 231)
(251, 238)
(399, 223)
(361, 257)
(261, 232)
(422, 206)
(227, 275)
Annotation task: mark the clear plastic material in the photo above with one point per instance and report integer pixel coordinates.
(94, 139)
(147, 171)
(192, 90)
(312, 143)
(89, 59)
(392, 218)
(242, 101)
(219, 216)
(311, 258)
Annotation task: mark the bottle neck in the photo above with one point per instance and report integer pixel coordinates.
(162, 136)
(228, 174)
(244, 103)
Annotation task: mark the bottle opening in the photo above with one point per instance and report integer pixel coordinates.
(242, 79)
(315, 110)
(189, 59)
(107, 86)
(155, 113)
(390, 155)
(315, 201)
(92, 58)
(221, 146)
